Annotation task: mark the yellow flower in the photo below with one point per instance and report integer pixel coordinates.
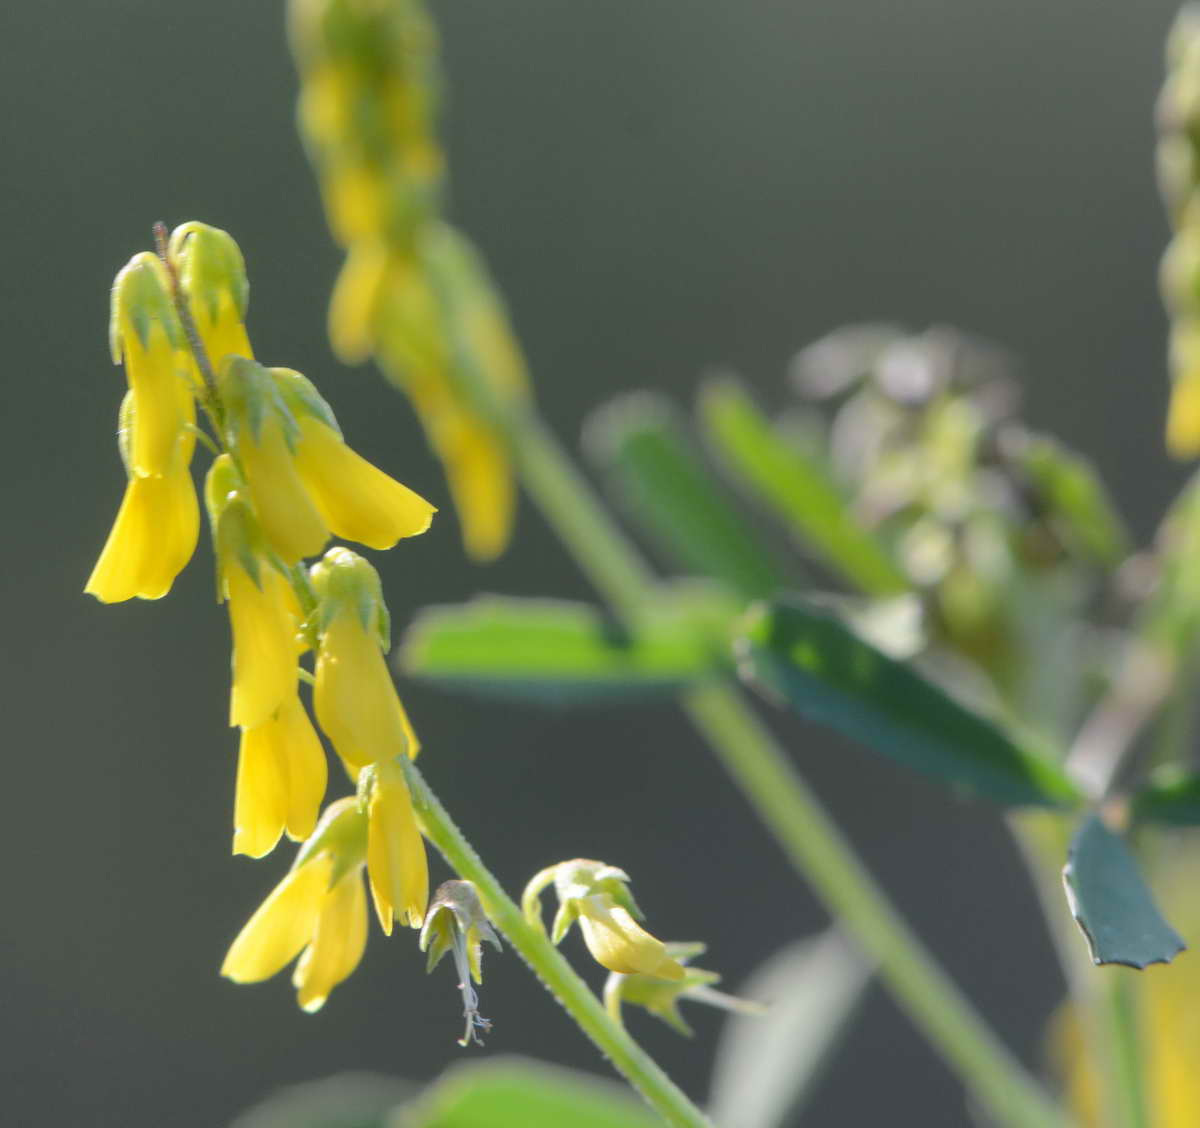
(263, 611)
(280, 781)
(156, 528)
(319, 912)
(596, 896)
(354, 698)
(212, 276)
(354, 306)
(396, 866)
(144, 331)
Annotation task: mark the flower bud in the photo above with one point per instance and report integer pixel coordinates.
(212, 276)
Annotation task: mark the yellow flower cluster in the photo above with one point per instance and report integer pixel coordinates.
(412, 291)
(282, 484)
(1179, 180)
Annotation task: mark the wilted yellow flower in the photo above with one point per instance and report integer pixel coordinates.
(263, 611)
(396, 866)
(280, 781)
(156, 528)
(145, 333)
(212, 276)
(354, 698)
(319, 909)
(596, 896)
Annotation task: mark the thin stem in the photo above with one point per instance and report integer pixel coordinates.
(548, 964)
(1125, 1050)
(786, 806)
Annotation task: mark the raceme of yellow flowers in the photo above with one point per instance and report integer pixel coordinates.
(282, 484)
(412, 290)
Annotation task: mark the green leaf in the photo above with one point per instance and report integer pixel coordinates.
(799, 652)
(512, 1093)
(639, 441)
(768, 1065)
(1073, 493)
(1172, 796)
(556, 652)
(1111, 903)
(796, 487)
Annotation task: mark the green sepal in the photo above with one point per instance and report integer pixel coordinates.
(797, 487)
(235, 530)
(568, 913)
(640, 443)
(456, 912)
(141, 299)
(342, 580)
(800, 653)
(209, 262)
(341, 833)
(250, 396)
(1111, 903)
(300, 396)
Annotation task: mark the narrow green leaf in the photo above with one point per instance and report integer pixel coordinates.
(768, 1065)
(640, 443)
(1074, 494)
(796, 487)
(513, 1093)
(800, 653)
(1172, 796)
(1111, 903)
(556, 652)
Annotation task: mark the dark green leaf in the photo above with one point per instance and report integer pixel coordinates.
(803, 654)
(639, 441)
(769, 1064)
(556, 652)
(511, 1093)
(1073, 493)
(1172, 796)
(797, 488)
(1110, 901)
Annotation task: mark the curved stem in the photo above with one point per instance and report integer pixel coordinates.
(548, 964)
(784, 803)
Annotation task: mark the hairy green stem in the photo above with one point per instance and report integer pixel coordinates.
(548, 964)
(784, 803)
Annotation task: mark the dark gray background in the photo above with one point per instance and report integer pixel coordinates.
(660, 187)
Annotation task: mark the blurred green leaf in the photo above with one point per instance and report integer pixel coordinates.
(796, 488)
(556, 652)
(1172, 615)
(1073, 493)
(639, 442)
(1172, 796)
(514, 1093)
(1111, 903)
(346, 1100)
(768, 1065)
(801, 653)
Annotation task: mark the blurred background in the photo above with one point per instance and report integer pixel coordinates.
(660, 188)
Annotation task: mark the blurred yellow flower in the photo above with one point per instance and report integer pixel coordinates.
(318, 911)
(281, 781)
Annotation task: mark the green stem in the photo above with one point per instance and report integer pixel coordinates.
(548, 964)
(1125, 1052)
(785, 804)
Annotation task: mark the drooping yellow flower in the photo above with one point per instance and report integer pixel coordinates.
(156, 528)
(318, 911)
(212, 275)
(263, 612)
(396, 865)
(596, 895)
(354, 698)
(280, 781)
(145, 333)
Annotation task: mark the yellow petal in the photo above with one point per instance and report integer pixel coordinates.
(283, 924)
(1183, 416)
(151, 540)
(307, 770)
(480, 479)
(264, 644)
(222, 332)
(354, 305)
(159, 378)
(396, 862)
(358, 501)
(260, 802)
(337, 944)
(355, 201)
(287, 514)
(619, 943)
(354, 699)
